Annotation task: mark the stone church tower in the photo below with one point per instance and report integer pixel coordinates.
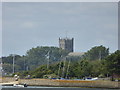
(66, 44)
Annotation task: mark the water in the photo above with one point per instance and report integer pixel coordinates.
(61, 88)
(30, 87)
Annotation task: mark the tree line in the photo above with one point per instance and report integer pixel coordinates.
(33, 58)
(96, 62)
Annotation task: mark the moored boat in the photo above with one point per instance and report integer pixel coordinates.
(18, 85)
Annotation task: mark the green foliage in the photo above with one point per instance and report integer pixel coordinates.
(33, 58)
(39, 55)
(7, 68)
(40, 72)
(113, 63)
(8, 59)
(81, 68)
(95, 62)
(96, 53)
(50, 76)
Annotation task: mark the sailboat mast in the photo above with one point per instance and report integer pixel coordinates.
(68, 69)
(64, 68)
(13, 63)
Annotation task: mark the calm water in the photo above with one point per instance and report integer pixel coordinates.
(61, 88)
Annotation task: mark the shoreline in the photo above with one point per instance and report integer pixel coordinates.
(71, 83)
(63, 83)
(64, 86)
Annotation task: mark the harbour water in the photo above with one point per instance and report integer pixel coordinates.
(50, 88)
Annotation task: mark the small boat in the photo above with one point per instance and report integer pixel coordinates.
(92, 79)
(18, 85)
(96, 78)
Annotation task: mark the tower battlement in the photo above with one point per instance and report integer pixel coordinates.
(66, 44)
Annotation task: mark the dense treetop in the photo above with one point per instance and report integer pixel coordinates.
(96, 53)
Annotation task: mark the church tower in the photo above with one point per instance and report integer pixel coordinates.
(66, 44)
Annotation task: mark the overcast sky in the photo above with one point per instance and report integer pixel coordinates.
(27, 25)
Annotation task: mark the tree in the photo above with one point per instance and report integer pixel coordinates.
(8, 63)
(33, 58)
(96, 53)
(40, 56)
(113, 63)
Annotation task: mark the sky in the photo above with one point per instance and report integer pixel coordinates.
(0, 29)
(32, 24)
